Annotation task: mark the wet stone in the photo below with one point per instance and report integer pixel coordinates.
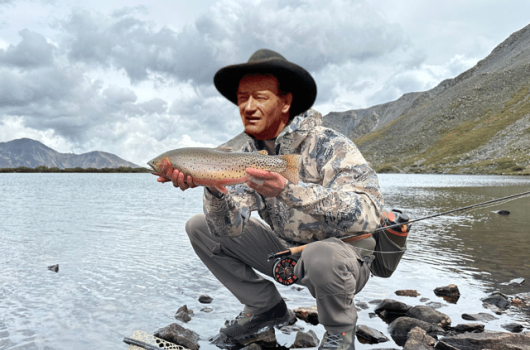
(400, 328)
(489, 340)
(513, 327)
(498, 299)
(207, 309)
(423, 300)
(205, 299)
(54, 268)
(450, 293)
(435, 304)
(515, 282)
(418, 339)
(502, 212)
(430, 315)
(179, 335)
(469, 327)
(362, 305)
(368, 335)
(307, 313)
(481, 316)
(252, 346)
(183, 314)
(305, 340)
(493, 308)
(407, 292)
(291, 329)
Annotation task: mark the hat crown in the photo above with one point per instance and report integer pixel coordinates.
(264, 54)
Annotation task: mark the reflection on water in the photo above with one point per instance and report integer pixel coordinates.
(126, 264)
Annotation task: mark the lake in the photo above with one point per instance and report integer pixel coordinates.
(125, 262)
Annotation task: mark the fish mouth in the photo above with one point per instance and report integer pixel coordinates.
(154, 171)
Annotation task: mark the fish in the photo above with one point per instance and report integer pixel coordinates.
(220, 167)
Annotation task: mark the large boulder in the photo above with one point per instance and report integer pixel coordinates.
(177, 334)
(399, 329)
(430, 315)
(488, 340)
(418, 339)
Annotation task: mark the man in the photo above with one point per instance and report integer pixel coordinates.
(338, 195)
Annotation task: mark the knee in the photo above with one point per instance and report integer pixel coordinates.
(195, 226)
(321, 263)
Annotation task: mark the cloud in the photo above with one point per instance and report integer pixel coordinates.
(32, 52)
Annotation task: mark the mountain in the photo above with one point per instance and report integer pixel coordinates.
(477, 122)
(30, 153)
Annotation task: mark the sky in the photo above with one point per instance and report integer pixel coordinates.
(135, 77)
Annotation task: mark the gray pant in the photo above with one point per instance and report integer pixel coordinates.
(331, 269)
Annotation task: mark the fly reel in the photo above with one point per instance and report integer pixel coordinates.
(283, 271)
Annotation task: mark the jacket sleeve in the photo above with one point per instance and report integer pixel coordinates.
(343, 190)
(227, 215)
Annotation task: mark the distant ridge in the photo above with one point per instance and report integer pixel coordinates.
(30, 153)
(475, 123)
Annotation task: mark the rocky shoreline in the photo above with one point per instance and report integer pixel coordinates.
(410, 326)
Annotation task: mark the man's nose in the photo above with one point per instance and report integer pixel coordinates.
(250, 106)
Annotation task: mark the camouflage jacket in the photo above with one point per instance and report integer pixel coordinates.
(337, 195)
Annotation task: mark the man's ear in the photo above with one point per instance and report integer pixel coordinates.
(287, 102)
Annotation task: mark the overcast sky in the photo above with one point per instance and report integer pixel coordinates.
(134, 77)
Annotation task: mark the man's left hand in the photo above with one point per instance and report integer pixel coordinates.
(267, 183)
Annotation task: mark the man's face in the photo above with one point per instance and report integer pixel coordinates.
(263, 111)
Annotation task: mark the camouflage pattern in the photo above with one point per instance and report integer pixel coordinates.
(337, 195)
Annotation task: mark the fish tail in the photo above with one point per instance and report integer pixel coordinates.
(293, 163)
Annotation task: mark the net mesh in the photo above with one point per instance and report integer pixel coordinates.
(152, 340)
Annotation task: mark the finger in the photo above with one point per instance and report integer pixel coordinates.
(259, 173)
(182, 183)
(174, 177)
(190, 182)
(162, 179)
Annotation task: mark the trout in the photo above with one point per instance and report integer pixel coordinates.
(219, 167)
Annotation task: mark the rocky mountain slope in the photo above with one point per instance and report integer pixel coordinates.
(477, 122)
(30, 153)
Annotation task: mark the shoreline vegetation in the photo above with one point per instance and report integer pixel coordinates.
(45, 169)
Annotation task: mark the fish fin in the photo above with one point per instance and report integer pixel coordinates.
(221, 189)
(293, 163)
(265, 153)
(224, 149)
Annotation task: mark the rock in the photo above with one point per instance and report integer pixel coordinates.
(205, 299)
(498, 299)
(430, 315)
(298, 289)
(307, 313)
(423, 300)
(502, 212)
(183, 314)
(469, 327)
(266, 338)
(54, 268)
(252, 346)
(450, 293)
(407, 292)
(390, 309)
(444, 346)
(418, 339)
(368, 335)
(291, 329)
(515, 282)
(177, 334)
(375, 301)
(488, 340)
(305, 340)
(513, 327)
(362, 305)
(400, 328)
(435, 304)
(481, 316)
(493, 308)
(206, 309)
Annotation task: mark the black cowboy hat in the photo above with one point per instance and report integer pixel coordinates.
(292, 78)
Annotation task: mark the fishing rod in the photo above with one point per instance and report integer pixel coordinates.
(283, 269)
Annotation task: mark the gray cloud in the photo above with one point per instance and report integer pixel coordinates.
(32, 52)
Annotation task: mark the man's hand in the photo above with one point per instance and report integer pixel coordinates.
(167, 173)
(268, 184)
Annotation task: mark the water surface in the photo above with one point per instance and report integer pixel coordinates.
(126, 264)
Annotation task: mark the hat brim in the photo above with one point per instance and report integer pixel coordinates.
(293, 79)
